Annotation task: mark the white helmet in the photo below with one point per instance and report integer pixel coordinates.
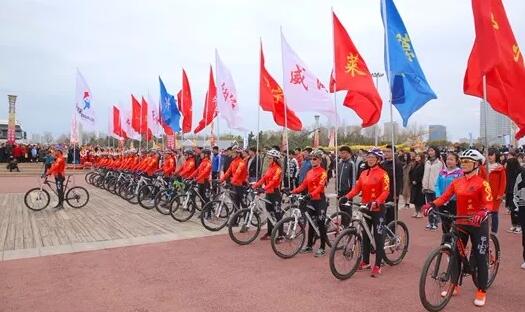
(472, 154)
(274, 153)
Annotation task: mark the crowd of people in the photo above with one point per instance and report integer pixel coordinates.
(458, 182)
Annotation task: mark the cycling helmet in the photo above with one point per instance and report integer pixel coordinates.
(273, 153)
(377, 152)
(189, 152)
(239, 150)
(317, 154)
(472, 154)
(206, 151)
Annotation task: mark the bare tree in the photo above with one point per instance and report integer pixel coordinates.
(47, 137)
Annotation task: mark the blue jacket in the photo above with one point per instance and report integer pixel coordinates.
(305, 167)
(215, 160)
(444, 179)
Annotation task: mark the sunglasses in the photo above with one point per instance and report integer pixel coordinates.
(315, 158)
(466, 161)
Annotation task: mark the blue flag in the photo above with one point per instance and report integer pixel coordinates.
(168, 108)
(410, 89)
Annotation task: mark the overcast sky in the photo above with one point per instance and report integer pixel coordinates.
(121, 47)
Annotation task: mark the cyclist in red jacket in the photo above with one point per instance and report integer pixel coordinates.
(315, 183)
(202, 175)
(238, 170)
(474, 199)
(374, 186)
(58, 169)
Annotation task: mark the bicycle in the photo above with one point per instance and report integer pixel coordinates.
(347, 253)
(216, 213)
(162, 201)
(183, 206)
(243, 220)
(290, 242)
(446, 266)
(38, 198)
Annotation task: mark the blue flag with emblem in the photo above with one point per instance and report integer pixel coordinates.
(410, 89)
(168, 109)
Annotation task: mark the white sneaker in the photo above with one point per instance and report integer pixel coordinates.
(518, 230)
(523, 266)
(512, 229)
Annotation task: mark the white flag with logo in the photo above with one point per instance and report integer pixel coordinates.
(153, 118)
(126, 125)
(84, 104)
(74, 132)
(227, 102)
(303, 91)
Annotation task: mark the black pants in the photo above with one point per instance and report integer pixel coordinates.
(237, 196)
(319, 217)
(377, 226)
(521, 219)
(432, 218)
(389, 213)
(203, 187)
(450, 208)
(479, 237)
(509, 203)
(59, 181)
(345, 220)
(274, 208)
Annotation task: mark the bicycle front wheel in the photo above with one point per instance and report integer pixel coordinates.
(182, 208)
(346, 254)
(288, 237)
(215, 215)
(396, 242)
(438, 279)
(77, 197)
(163, 201)
(244, 227)
(334, 226)
(36, 199)
(146, 196)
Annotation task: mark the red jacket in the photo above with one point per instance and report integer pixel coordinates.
(238, 171)
(187, 168)
(169, 166)
(314, 182)
(473, 194)
(373, 184)
(498, 184)
(152, 165)
(203, 172)
(58, 168)
(271, 179)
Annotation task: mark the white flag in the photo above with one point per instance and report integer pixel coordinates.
(227, 102)
(126, 125)
(153, 118)
(74, 132)
(303, 91)
(84, 104)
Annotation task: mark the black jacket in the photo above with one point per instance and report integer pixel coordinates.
(345, 172)
(389, 168)
(252, 169)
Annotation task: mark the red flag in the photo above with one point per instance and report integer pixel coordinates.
(271, 99)
(352, 74)
(332, 82)
(117, 126)
(144, 117)
(135, 114)
(496, 55)
(210, 105)
(186, 106)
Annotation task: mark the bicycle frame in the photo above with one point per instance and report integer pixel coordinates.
(53, 189)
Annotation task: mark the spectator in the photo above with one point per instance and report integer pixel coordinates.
(408, 163)
(388, 165)
(13, 164)
(417, 198)
(497, 181)
(513, 170)
(254, 165)
(433, 167)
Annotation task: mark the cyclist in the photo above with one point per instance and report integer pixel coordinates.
(188, 166)
(473, 198)
(152, 165)
(374, 186)
(314, 182)
(202, 175)
(272, 180)
(58, 170)
(168, 165)
(239, 172)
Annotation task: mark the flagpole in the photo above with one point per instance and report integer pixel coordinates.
(485, 108)
(258, 120)
(286, 119)
(218, 119)
(376, 75)
(336, 120)
(389, 76)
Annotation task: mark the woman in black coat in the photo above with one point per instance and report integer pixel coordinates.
(416, 181)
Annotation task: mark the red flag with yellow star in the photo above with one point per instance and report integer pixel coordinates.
(271, 99)
(351, 73)
(496, 55)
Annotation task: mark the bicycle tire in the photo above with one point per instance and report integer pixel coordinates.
(282, 226)
(132, 198)
(146, 196)
(389, 259)
(74, 193)
(39, 192)
(238, 220)
(211, 209)
(87, 177)
(334, 226)
(342, 244)
(177, 210)
(450, 273)
(163, 201)
(496, 254)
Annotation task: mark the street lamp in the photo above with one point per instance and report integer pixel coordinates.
(377, 75)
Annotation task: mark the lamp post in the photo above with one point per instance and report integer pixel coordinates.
(317, 130)
(376, 75)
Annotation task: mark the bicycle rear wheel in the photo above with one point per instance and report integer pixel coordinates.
(163, 201)
(334, 226)
(438, 279)
(146, 196)
(396, 242)
(182, 208)
(244, 227)
(36, 199)
(346, 254)
(77, 197)
(215, 215)
(288, 237)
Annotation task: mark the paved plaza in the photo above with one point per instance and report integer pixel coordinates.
(114, 256)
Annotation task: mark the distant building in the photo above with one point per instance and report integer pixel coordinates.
(499, 127)
(437, 133)
(388, 127)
